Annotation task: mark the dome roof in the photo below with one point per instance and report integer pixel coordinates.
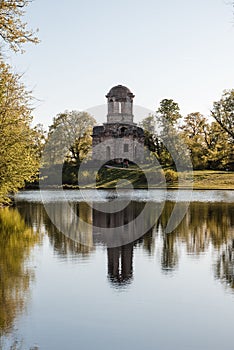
(119, 91)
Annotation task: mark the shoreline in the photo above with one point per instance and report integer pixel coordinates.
(174, 188)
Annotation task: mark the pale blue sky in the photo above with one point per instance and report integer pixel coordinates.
(180, 49)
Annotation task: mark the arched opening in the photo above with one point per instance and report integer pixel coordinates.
(123, 131)
(108, 153)
(110, 106)
(120, 107)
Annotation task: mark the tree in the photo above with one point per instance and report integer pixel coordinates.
(169, 112)
(13, 31)
(219, 148)
(39, 139)
(149, 126)
(208, 142)
(194, 125)
(68, 144)
(19, 156)
(168, 115)
(223, 112)
(193, 132)
(19, 159)
(69, 136)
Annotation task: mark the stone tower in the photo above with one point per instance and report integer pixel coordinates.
(120, 105)
(119, 138)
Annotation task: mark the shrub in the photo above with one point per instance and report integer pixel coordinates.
(170, 176)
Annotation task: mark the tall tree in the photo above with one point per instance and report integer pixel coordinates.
(219, 148)
(19, 159)
(223, 112)
(13, 30)
(149, 126)
(208, 143)
(69, 136)
(168, 115)
(193, 132)
(40, 136)
(169, 112)
(68, 144)
(19, 156)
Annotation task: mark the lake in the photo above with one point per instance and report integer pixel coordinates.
(99, 270)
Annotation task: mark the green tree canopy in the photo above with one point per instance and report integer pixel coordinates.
(223, 112)
(193, 131)
(208, 143)
(19, 158)
(168, 111)
(149, 126)
(168, 115)
(70, 136)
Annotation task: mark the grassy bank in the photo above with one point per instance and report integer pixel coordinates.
(135, 177)
(208, 179)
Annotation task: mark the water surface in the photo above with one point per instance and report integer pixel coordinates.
(161, 291)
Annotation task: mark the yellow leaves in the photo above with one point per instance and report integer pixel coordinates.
(18, 158)
(69, 135)
(12, 30)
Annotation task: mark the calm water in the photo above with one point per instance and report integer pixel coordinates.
(161, 291)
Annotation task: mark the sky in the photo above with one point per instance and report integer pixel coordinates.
(179, 49)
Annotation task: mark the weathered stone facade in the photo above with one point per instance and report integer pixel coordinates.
(120, 138)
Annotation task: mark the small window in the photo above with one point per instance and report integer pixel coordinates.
(125, 147)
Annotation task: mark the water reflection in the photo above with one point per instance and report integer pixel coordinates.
(17, 240)
(120, 264)
(169, 256)
(224, 267)
(205, 225)
(34, 214)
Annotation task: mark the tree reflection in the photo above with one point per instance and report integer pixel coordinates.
(16, 243)
(170, 256)
(148, 241)
(224, 268)
(70, 245)
(64, 246)
(204, 225)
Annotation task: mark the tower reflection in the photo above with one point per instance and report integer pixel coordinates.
(120, 264)
(120, 258)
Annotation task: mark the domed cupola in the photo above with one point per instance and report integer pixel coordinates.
(120, 105)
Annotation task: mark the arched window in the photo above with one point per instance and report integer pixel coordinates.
(120, 107)
(108, 153)
(126, 147)
(123, 131)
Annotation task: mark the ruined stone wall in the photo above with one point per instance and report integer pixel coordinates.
(107, 147)
(116, 140)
